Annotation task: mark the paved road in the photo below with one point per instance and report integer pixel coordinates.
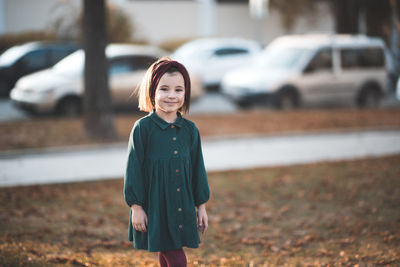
(94, 163)
(9, 113)
(211, 103)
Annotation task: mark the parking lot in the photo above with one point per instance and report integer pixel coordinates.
(212, 102)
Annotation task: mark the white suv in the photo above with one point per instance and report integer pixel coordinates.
(313, 68)
(212, 58)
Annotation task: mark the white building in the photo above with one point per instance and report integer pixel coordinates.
(162, 20)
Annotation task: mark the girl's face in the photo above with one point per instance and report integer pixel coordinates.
(170, 93)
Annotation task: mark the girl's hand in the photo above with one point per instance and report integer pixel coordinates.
(202, 218)
(139, 218)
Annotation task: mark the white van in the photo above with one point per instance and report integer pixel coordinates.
(301, 69)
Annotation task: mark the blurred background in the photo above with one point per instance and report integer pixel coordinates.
(297, 103)
(212, 38)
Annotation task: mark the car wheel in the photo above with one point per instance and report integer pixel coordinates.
(369, 98)
(69, 107)
(287, 100)
(244, 104)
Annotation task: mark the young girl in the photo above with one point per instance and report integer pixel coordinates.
(165, 177)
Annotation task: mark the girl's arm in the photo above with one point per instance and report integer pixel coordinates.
(202, 218)
(201, 191)
(139, 218)
(134, 188)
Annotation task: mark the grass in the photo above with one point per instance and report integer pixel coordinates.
(344, 213)
(53, 132)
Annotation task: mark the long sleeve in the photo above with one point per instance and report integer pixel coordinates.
(134, 183)
(201, 189)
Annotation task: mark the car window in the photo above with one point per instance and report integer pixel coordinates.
(321, 61)
(285, 58)
(371, 57)
(130, 64)
(361, 58)
(35, 60)
(143, 62)
(120, 67)
(229, 51)
(57, 54)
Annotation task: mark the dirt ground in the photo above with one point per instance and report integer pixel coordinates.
(51, 132)
(344, 213)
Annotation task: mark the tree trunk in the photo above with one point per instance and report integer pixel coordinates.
(346, 15)
(394, 32)
(394, 43)
(98, 116)
(378, 18)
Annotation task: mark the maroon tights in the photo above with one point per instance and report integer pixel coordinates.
(172, 258)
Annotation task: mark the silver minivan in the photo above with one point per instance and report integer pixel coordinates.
(317, 68)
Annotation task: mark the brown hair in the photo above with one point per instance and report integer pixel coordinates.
(147, 89)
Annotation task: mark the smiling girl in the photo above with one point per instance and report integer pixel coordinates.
(165, 179)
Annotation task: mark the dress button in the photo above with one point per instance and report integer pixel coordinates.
(176, 152)
(180, 209)
(174, 138)
(177, 170)
(180, 226)
(178, 189)
(172, 126)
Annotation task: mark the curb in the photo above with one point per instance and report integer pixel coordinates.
(121, 145)
(300, 133)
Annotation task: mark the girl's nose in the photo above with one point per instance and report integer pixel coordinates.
(171, 95)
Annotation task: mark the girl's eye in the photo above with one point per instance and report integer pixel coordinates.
(163, 89)
(179, 90)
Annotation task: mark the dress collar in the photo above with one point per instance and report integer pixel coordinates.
(162, 123)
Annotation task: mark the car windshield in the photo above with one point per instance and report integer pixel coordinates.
(190, 51)
(71, 65)
(11, 55)
(185, 50)
(285, 58)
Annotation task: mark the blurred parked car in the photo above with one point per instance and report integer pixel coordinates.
(21, 60)
(211, 58)
(313, 68)
(391, 65)
(60, 89)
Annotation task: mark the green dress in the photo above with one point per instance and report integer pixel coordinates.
(165, 174)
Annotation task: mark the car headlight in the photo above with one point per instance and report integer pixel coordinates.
(48, 93)
(39, 95)
(27, 91)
